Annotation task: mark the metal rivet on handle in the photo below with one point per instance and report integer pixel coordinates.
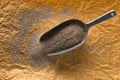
(112, 14)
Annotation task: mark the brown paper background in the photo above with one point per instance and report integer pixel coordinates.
(97, 59)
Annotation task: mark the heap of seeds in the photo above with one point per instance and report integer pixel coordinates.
(63, 38)
(60, 39)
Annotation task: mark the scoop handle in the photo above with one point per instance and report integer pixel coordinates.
(102, 18)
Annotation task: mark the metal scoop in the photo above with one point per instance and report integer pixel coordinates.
(85, 26)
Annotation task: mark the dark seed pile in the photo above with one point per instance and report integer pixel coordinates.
(63, 38)
(58, 40)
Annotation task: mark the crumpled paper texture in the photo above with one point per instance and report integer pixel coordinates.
(97, 59)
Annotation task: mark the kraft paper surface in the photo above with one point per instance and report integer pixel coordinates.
(97, 59)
